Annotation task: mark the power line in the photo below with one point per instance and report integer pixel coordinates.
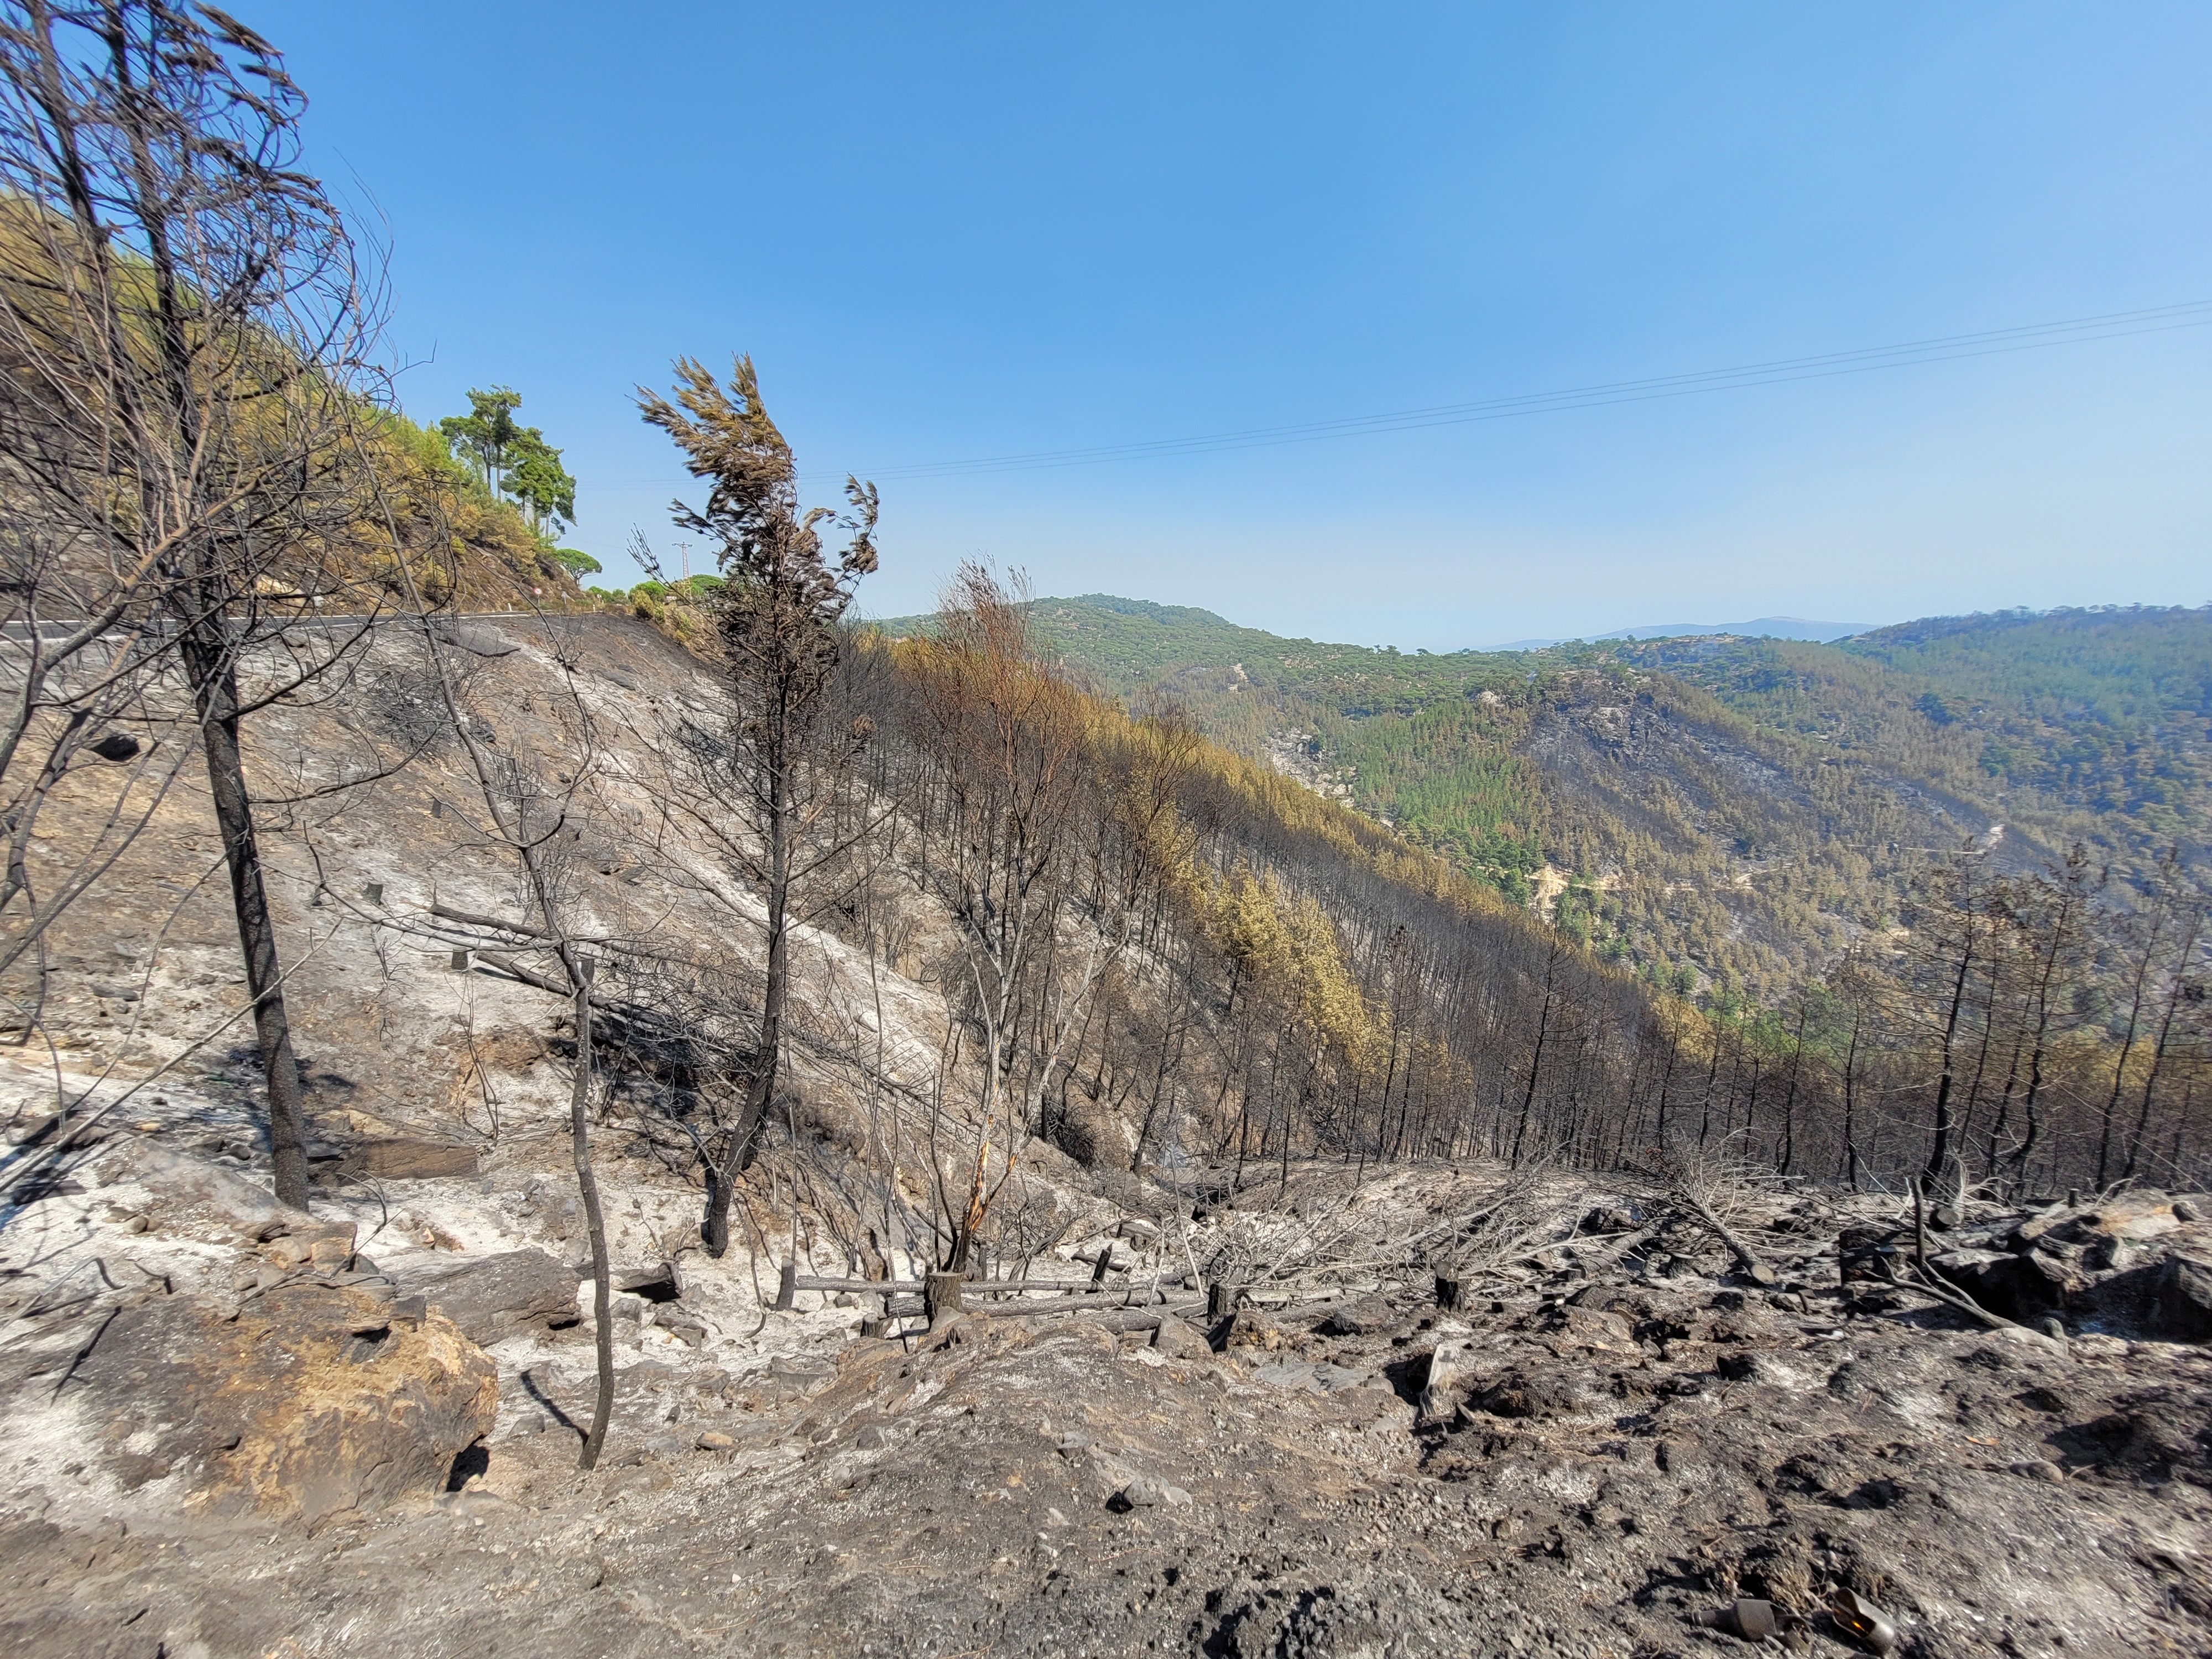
(2034, 336)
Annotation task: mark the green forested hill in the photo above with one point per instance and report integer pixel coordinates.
(1723, 814)
(2094, 724)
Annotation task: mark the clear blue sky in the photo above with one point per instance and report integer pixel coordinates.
(949, 231)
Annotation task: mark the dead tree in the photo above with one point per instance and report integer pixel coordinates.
(530, 822)
(181, 313)
(776, 635)
(1004, 743)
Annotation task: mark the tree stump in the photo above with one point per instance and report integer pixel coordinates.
(1220, 1301)
(940, 1295)
(1866, 1254)
(1449, 1291)
(786, 1287)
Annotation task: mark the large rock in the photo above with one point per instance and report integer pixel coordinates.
(1248, 1329)
(2137, 1215)
(474, 637)
(220, 1196)
(1177, 1341)
(2025, 1287)
(311, 1401)
(405, 1157)
(2184, 1299)
(1370, 1315)
(495, 1295)
(1537, 1394)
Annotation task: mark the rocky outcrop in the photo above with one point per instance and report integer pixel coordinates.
(2184, 1298)
(312, 1400)
(1094, 1134)
(405, 1157)
(2137, 1265)
(496, 1296)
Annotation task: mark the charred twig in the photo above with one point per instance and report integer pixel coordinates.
(501, 925)
(1742, 1252)
(1959, 1301)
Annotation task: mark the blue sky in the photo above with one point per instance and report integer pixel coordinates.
(949, 232)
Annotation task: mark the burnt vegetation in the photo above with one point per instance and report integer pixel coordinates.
(749, 960)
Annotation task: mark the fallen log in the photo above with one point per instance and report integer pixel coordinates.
(914, 1287)
(1751, 1266)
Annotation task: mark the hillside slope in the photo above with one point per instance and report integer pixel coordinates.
(2090, 725)
(1725, 814)
(1455, 1405)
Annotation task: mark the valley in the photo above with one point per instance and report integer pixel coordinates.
(568, 1089)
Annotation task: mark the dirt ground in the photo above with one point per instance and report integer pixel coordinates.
(1606, 1452)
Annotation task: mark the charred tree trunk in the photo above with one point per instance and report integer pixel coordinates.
(215, 690)
(1939, 1150)
(761, 1071)
(587, 1187)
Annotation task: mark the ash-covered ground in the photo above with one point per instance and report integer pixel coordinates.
(1613, 1433)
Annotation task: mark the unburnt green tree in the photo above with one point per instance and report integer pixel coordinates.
(537, 479)
(485, 435)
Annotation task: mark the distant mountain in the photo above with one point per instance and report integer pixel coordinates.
(1761, 628)
(1717, 808)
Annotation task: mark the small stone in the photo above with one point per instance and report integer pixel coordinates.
(1177, 1341)
(2037, 1468)
(2055, 1328)
(1759, 1273)
(137, 1223)
(1367, 1316)
(2187, 1209)
(1451, 1368)
(870, 1438)
(1146, 1492)
(714, 1441)
(533, 1424)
